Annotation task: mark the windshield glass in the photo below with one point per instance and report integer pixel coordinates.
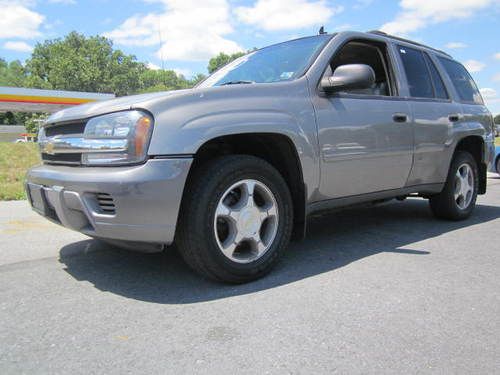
(280, 62)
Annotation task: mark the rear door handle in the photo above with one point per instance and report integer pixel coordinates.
(454, 118)
(400, 117)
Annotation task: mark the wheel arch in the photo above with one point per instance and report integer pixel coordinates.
(474, 144)
(277, 149)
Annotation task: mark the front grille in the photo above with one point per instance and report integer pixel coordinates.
(106, 203)
(72, 159)
(65, 129)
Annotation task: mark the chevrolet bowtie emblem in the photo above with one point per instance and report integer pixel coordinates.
(49, 148)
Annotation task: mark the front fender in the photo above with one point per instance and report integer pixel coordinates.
(183, 127)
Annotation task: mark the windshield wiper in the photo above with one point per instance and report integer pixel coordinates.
(241, 82)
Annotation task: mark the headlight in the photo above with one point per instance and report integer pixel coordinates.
(121, 138)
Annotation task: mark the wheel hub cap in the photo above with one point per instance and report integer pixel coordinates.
(249, 221)
(464, 186)
(246, 221)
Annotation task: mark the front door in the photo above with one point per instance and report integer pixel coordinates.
(365, 136)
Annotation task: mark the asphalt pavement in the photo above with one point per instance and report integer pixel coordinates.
(387, 289)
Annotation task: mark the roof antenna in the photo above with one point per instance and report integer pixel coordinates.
(322, 30)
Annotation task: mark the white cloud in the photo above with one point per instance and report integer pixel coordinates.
(496, 77)
(18, 46)
(152, 66)
(455, 45)
(18, 21)
(474, 66)
(188, 30)
(417, 14)
(286, 15)
(183, 72)
(488, 93)
(497, 56)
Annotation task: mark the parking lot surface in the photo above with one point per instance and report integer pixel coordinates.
(387, 289)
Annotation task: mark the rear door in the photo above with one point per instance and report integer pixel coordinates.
(434, 115)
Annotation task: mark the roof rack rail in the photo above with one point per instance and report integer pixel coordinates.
(381, 33)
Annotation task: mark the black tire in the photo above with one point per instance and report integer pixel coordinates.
(498, 165)
(443, 205)
(196, 239)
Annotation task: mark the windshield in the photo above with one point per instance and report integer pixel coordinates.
(280, 62)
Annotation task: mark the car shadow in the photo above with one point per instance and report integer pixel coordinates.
(334, 240)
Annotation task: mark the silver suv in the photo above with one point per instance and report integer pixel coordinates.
(230, 170)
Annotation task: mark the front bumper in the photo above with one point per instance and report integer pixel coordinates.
(141, 203)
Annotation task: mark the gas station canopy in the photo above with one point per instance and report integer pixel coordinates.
(16, 99)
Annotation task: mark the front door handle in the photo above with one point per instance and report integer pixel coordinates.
(454, 118)
(400, 117)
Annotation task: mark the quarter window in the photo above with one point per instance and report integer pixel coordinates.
(417, 74)
(437, 81)
(462, 81)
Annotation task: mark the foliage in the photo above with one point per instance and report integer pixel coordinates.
(15, 159)
(162, 80)
(222, 59)
(497, 119)
(13, 118)
(12, 74)
(82, 63)
(32, 122)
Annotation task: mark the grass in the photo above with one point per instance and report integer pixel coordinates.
(15, 160)
(497, 141)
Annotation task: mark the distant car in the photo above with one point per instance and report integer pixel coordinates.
(495, 166)
(26, 137)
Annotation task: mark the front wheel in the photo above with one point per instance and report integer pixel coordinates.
(458, 198)
(236, 219)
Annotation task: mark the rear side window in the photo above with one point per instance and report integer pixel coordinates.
(462, 81)
(437, 81)
(417, 74)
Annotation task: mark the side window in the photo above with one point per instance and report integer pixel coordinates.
(369, 53)
(462, 81)
(417, 74)
(437, 81)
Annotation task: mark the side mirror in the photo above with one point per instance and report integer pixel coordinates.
(350, 76)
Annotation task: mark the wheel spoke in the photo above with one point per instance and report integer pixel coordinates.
(224, 211)
(258, 244)
(228, 248)
(247, 197)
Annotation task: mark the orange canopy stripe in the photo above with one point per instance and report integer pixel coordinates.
(43, 99)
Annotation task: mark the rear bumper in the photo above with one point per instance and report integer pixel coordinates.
(141, 203)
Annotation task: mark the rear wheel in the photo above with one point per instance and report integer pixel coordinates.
(458, 198)
(236, 219)
(498, 165)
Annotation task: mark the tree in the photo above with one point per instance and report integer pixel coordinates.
(222, 59)
(32, 123)
(82, 63)
(497, 119)
(162, 80)
(12, 74)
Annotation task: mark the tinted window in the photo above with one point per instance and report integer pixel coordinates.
(462, 81)
(419, 80)
(439, 88)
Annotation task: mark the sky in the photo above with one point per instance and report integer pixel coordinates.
(183, 34)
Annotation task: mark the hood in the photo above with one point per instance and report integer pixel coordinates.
(106, 106)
